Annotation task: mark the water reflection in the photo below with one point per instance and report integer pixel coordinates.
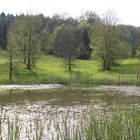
(66, 98)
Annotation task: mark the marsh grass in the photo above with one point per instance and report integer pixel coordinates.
(117, 124)
(10, 129)
(120, 125)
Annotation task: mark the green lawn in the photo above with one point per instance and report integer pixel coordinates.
(50, 69)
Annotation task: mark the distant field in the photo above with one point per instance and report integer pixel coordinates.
(50, 69)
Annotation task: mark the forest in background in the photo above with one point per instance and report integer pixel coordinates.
(129, 35)
(50, 25)
(27, 37)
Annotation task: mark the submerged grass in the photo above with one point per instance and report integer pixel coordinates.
(120, 126)
(114, 125)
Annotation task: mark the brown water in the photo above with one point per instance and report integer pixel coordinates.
(32, 109)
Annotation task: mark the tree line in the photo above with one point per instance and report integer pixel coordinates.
(26, 36)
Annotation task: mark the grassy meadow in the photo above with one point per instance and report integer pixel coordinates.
(50, 69)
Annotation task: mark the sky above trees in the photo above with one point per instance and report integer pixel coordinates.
(127, 10)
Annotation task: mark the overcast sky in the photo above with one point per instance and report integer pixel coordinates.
(127, 10)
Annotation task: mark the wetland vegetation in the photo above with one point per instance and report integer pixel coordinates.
(70, 114)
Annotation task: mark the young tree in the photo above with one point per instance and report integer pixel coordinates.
(65, 44)
(26, 33)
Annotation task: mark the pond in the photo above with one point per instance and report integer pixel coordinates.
(39, 114)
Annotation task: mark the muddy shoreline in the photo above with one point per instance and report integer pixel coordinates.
(30, 87)
(127, 90)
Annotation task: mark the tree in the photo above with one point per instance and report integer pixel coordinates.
(132, 39)
(3, 30)
(53, 23)
(26, 32)
(10, 48)
(44, 39)
(90, 17)
(65, 44)
(106, 41)
(124, 49)
(85, 50)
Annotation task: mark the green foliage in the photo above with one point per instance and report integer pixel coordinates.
(25, 36)
(129, 35)
(66, 44)
(85, 50)
(5, 21)
(106, 40)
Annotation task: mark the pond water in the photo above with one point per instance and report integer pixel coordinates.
(42, 112)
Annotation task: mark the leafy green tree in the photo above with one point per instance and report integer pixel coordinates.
(26, 32)
(124, 49)
(3, 30)
(106, 40)
(66, 45)
(131, 37)
(90, 17)
(52, 24)
(44, 38)
(85, 50)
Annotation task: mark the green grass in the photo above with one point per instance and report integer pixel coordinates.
(120, 125)
(50, 69)
(116, 125)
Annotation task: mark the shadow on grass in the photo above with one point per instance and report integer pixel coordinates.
(126, 69)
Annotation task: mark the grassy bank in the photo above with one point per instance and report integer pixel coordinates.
(50, 69)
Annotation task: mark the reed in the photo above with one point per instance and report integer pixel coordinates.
(113, 125)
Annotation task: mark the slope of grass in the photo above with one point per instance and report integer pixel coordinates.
(50, 69)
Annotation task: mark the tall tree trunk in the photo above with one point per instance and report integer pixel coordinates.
(29, 59)
(24, 53)
(10, 63)
(104, 63)
(29, 66)
(69, 64)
